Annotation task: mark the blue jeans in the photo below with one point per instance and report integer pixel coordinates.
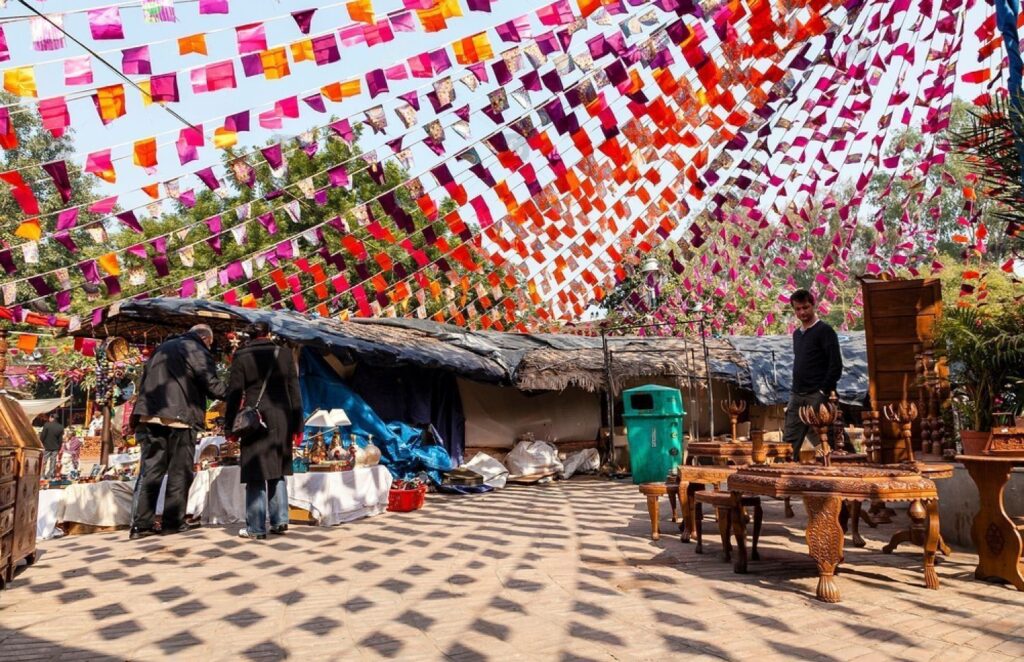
(256, 494)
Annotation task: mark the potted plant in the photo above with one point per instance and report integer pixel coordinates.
(985, 350)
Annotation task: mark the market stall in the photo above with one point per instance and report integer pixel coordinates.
(218, 497)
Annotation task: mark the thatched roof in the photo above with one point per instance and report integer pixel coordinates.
(631, 357)
(530, 362)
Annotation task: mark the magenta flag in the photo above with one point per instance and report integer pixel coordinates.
(105, 23)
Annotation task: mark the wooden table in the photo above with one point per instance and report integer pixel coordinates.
(823, 490)
(740, 452)
(654, 492)
(693, 478)
(996, 535)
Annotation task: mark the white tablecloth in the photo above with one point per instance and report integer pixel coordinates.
(218, 497)
(50, 502)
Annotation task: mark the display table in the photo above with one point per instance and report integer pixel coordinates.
(823, 490)
(218, 497)
(739, 452)
(49, 512)
(330, 498)
(693, 478)
(995, 533)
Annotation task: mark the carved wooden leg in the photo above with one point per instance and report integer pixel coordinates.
(855, 516)
(898, 539)
(943, 547)
(673, 493)
(739, 530)
(994, 535)
(789, 508)
(825, 541)
(652, 510)
(724, 524)
(868, 519)
(687, 506)
(758, 519)
(700, 538)
(931, 543)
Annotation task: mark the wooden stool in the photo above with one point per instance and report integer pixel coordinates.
(731, 516)
(653, 492)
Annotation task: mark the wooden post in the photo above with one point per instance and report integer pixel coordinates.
(106, 435)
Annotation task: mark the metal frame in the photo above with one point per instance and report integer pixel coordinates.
(610, 394)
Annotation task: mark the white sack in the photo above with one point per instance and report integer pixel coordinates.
(495, 474)
(533, 457)
(584, 461)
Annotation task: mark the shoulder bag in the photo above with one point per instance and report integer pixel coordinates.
(249, 422)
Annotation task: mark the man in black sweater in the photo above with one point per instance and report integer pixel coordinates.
(817, 366)
(52, 436)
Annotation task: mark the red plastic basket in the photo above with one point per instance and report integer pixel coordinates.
(403, 501)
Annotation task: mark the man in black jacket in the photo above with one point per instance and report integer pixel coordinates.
(170, 408)
(817, 366)
(52, 436)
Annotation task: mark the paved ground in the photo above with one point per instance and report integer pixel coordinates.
(557, 572)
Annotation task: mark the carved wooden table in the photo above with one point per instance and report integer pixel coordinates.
(693, 478)
(996, 535)
(740, 452)
(823, 490)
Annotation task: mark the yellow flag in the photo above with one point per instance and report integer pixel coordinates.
(30, 230)
(21, 81)
(110, 264)
(224, 138)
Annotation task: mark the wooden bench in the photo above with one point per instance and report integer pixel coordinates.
(732, 518)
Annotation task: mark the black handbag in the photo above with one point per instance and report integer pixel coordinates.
(249, 422)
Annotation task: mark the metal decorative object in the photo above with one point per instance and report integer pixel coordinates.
(903, 413)
(733, 408)
(820, 418)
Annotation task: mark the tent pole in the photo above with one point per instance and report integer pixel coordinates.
(707, 373)
(609, 401)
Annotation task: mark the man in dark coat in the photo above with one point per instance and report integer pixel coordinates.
(52, 436)
(266, 455)
(170, 408)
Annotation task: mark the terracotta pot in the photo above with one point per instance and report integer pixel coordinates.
(973, 441)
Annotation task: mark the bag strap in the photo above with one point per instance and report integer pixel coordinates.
(267, 378)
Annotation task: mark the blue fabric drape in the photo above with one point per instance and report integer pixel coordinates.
(404, 451)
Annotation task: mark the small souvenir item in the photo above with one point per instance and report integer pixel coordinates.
(318, 453)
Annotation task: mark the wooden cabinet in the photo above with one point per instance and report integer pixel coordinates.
(20, 463)
(898, 320)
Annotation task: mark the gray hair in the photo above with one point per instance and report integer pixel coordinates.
(203, 331)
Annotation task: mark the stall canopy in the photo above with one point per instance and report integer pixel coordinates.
(530, 362)
(768, 362)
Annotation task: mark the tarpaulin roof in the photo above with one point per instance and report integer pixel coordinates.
(769, 367)
(544, 361)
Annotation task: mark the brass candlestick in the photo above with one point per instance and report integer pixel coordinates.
(733, 408)
(820, 418)
(903, 414)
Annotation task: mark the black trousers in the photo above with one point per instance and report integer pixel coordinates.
(170, 452)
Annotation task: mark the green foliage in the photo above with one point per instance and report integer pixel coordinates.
(985, 350)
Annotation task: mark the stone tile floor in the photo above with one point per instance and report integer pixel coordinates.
(564, 571)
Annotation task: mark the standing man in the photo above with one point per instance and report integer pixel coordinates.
(817, 366)
(171, 407)
(52, 436)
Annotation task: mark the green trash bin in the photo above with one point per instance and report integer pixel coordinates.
(654, 427)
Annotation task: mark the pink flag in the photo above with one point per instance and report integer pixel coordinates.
(78, 70)
(164, 87)
(54, 113)
(251, 38)
(213, 6)
(5, 53)
(136, 60)
(99, 162)
(105, 23)
(47, 37)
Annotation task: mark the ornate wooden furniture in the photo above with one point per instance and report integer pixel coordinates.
(1005, 441)
(732, 520)
(692, 479)
(823, 490)
(899, 316)
(654, 492)
(996, 535)
(741, 452)
(917, 532)
(21, 455)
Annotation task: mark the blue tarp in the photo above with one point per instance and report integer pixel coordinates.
(404, 451)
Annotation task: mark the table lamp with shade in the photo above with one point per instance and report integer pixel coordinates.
(323, 419)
